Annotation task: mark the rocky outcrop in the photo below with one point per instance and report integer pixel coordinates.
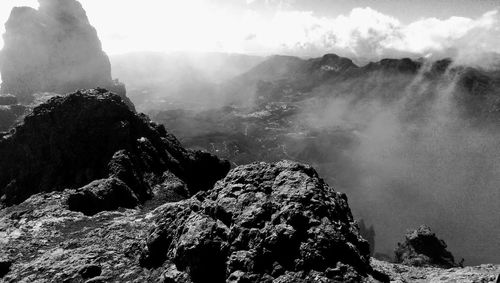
(263, 223)
(422, 248)
(42, 241)
(53, 49)
(73, 140)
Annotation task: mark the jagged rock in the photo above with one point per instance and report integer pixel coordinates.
(42, 241)
(89, 135)
(53, 49)
(422, 248)
(263, 222)
(105, 194)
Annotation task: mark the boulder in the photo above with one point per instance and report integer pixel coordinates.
(90, 135)
(262, 222)
(100, 195)
(423, 248)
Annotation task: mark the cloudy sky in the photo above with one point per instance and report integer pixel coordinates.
(358, 28)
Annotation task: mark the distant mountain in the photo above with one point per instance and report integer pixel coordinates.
(169, 80)
(409, 125)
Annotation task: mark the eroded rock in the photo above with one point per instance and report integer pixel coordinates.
(105, 194)
(263, 222)
(423, 248)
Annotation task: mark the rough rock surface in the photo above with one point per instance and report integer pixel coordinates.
(423, 248)
(53, 49)
(399, 273)
(263, 223)
(41, 240)
(89, 135)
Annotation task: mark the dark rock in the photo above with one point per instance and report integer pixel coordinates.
(4, 267)
(100, 195)
(90, 271)
(422, 248)
(75, 139)
(276, 221)
(53, 49)
(404, 65)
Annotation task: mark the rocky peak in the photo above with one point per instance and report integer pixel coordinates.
(423, 248)
(91, 135)
(404, 65)
(333, 63)
(53, 49)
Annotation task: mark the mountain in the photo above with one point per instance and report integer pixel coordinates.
(386, 130)
(169, 80)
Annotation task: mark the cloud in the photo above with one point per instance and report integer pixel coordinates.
(367, 33)
(274, 26)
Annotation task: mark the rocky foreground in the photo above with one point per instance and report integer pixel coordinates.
(93, 192)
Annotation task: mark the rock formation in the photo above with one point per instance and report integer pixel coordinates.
(263, 223)
(53, 49)
(422, 248)
(92, 135)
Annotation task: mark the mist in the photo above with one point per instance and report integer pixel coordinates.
(418, 157)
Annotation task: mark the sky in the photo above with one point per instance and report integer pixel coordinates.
(357, 28)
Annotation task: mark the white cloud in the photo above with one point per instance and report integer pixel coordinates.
(367, 33)
(204, 25)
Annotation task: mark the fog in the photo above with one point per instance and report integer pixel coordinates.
(418, 159)
(187, 80)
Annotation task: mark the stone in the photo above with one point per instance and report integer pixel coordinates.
(100, 195)
(423, 248)
(276, 221)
